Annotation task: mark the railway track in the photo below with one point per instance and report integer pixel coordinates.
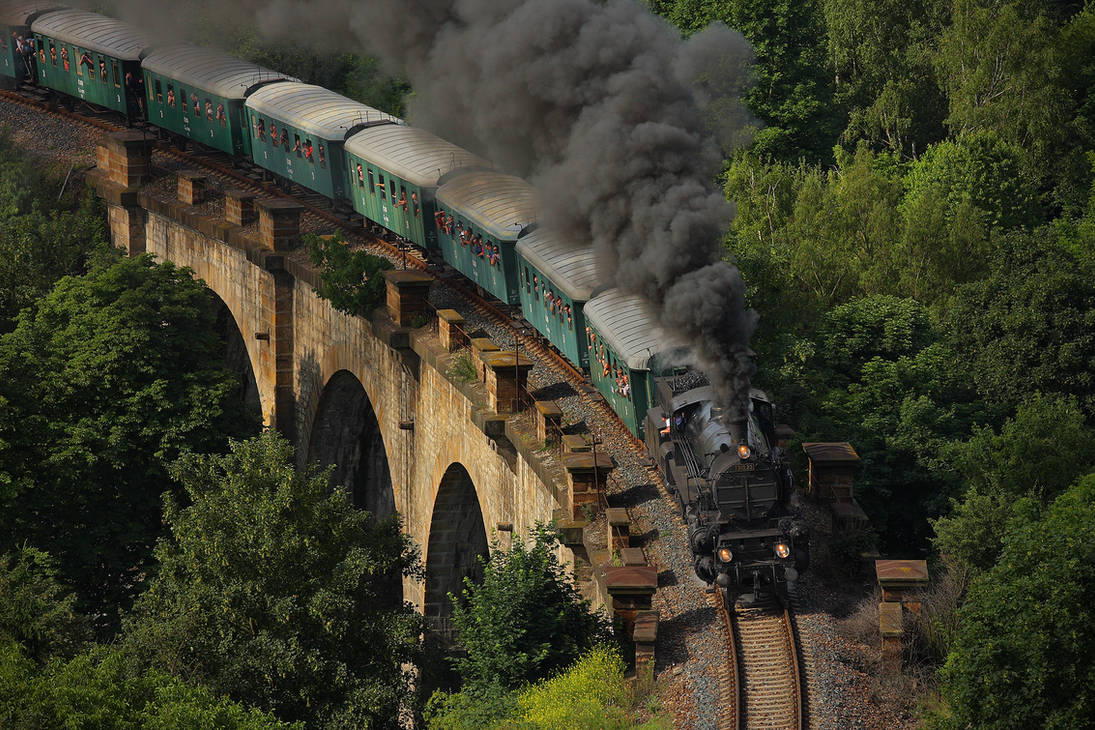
(761, 682)
(761, 650)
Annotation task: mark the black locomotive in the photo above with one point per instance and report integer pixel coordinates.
(733, 483)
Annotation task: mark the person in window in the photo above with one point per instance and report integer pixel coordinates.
(64, 57)
(260, 130)
(273, 132)
(360, 176)
(42, 55)
(102, 69)
(85, 60)
(285, 139)
(53, 54)
(448, 224)
(296, 146)
(308, 151)
(170, 96)
(414, 204)
(221, 116)
(322, 156)
(439, 219)
(209, 110)
(196, 105)
(402, 202)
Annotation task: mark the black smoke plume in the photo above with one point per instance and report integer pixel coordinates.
(615, 119)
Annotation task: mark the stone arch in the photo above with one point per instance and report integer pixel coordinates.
(236, 355)
(346, 434)
(458, 537)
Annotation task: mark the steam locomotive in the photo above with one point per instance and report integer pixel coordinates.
(733, 484)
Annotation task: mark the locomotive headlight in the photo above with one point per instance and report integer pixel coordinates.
(725, 555)
(743, 451)
(783, 550)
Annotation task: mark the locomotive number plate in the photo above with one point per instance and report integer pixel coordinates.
(744, 467)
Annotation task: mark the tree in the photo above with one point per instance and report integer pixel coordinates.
(1025, 651)
(351, 280)
(275, 591)
(1037, 454)
(42, 238)
(525, 620)
(35, 610)
(1029, 325)
(97, 689)
(105, 379)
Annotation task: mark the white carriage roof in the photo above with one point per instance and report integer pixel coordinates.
(627, 326)
(572, 268)
(502, 205)
(213, 71)
(16, 12)
(314, 109)
(94, 32)
(413, 154)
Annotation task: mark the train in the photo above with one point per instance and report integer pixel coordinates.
(732, 480)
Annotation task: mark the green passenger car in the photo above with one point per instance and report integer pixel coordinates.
(624, 339)
(298, 131)
(394, 174)
(91, 57)
(484, 213)
(16, 17)
(199, 94)
(556, 278)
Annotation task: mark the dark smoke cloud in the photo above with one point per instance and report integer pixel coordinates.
(616, 120)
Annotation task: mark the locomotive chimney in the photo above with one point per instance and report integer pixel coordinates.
(737, 429)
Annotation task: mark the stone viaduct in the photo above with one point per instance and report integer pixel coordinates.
(370, 395)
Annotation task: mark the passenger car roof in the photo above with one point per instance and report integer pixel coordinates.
(213, 71)
(572, 268)
(627, 325)
(316, 110)
(502, 205)
(94, 32)
(411, 153)
(17, 12)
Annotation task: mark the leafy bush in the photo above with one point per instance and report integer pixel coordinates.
(352, 281)
(525, 620)
(462, 368)
(35, 610)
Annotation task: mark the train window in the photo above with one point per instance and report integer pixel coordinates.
(322, 156)
(527, 284)
(297, 146)
(102, 71)
(260, 129)
(159, 92)
(402, 197)
(195, 105)
(360, 176)
(383, 190)
(273, 133)
(372, 184)
(52, 53)
(171, 95)
(308, 151)
(285, 138)
(117, 76)
(391, 187)
(209, 110)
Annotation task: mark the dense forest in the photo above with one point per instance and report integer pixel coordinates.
(916, 224)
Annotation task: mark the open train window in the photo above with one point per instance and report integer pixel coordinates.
(52, 53)
(117, 76)
(391, 187)
(102, 71)
(372, 184)
(171, 95)
(383, 189)
(159, 91)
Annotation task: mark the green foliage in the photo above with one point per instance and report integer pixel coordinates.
(462, 368)
(105, 379)
(525, 620)
(1026, 645)
(1038, 453)
(41, 239)
(99, 690)
(351, 280)
(35, 610)
(275, 591)
(592, 693)
(1029, 325)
